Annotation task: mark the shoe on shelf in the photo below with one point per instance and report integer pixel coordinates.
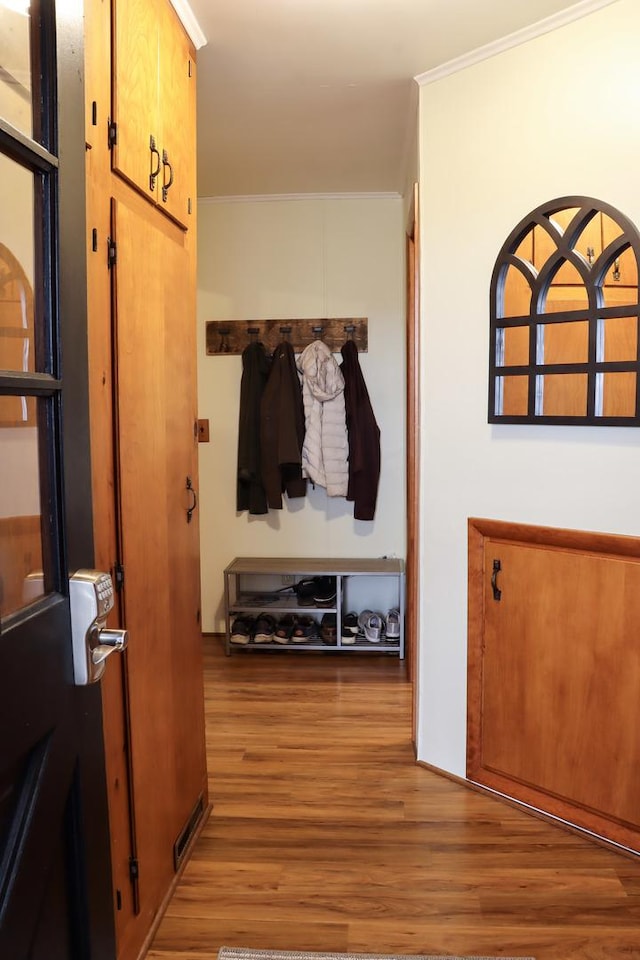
(242, 629)
(393, 624)
(285, 627)
(372, 625)
(349, 628)
(265, 628)
(324, 593)
(306, 629)
(305, 590)
(329, 629)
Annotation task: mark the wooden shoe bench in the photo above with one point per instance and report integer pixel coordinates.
(255, 585)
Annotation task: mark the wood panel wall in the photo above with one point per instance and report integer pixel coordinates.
(554, 673)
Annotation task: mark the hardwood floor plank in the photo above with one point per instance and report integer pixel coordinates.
(249, 933)
(326, 835)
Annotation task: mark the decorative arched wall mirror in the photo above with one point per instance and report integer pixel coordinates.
(565, 318)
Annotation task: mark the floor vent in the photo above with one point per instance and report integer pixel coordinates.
(181, 844)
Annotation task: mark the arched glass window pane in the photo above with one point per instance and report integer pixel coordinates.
(623, 272)
(619, 395)
(515, 396)
(614, 296)
(565, 395)
(619, 339)
(516, 346)
(524, 250)
(517, 294)
(565, 342)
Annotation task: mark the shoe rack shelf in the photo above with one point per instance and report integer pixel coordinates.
(255, 585)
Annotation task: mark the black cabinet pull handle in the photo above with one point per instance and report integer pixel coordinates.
(497, 567)
(165, 185)
(195, 500)
(154, 173)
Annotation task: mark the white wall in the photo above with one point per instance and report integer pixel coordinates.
(299, 258)
(553, 117)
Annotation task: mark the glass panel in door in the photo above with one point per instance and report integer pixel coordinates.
(15, 65)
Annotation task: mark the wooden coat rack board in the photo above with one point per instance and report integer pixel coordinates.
(232, 336)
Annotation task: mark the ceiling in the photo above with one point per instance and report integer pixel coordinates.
(317, 96)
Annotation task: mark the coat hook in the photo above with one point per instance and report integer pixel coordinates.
(318, 331)
(616, 269)
(223, 346)
(285, 331)
(253, 333)
(349, 330)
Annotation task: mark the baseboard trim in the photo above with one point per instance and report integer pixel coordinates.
(533, 811)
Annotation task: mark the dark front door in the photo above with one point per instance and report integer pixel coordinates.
(55, 885)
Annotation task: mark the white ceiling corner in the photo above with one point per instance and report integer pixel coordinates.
(190, 23)
(538, 29)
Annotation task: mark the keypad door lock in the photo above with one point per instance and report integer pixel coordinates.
(91, 595)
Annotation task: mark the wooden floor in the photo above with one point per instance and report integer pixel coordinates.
(325, 835)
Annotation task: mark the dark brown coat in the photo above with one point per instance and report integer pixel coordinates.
(250, 493)
(282, 429)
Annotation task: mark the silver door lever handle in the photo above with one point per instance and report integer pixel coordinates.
(108, 641)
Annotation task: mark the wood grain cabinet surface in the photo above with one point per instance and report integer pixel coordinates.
(153, 93)
(554, 673)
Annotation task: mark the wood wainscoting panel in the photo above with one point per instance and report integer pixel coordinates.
(554, 673)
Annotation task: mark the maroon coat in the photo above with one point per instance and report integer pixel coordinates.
(364, 437)
(282, 429)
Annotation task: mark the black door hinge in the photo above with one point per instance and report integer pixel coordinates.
(134, 869)
(112, 253)
(118, 573)
(112, 134)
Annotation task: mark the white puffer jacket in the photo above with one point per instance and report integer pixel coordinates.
(325, 452)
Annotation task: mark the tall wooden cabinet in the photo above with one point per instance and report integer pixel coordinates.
(141, 243)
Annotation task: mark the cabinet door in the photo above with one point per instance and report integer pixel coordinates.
(185, 671)
(553, 681)
(153, 105)
(176, 193)
(135, 93)
(154, 322)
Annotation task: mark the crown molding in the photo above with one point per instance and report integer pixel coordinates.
(554, 22)
(189, 22)
(282, 197)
